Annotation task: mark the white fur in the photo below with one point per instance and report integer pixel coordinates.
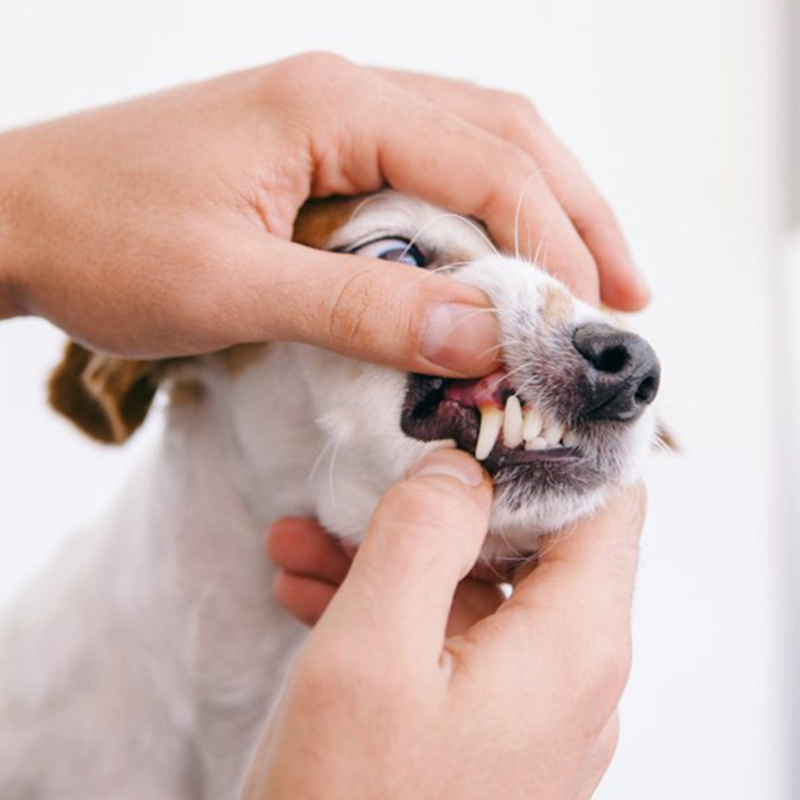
(143, 664)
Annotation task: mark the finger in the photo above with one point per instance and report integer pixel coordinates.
(573, 612)
(303, 547)
(422, 540)
(513, 118)
(621, 284)
(303, 597)
(425, 150)
(488, 177)
(377, 311)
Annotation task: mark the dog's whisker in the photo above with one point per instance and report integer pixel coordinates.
(364, 203)
(528, 234)
(476, 313)
(541, 244)
(497, 347)
(426, 274)
(518, 211)
(449, 215)
(331, 483)
(492, 568)
(319, 459)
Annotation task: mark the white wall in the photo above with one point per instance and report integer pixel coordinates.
(674, 106)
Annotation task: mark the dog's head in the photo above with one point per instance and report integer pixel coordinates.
(568, 416)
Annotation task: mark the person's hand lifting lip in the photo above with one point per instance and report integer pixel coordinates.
(161, 226)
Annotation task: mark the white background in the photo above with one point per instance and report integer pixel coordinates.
(677, 108)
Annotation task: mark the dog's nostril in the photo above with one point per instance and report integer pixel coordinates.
(647, 390)
(612, 359)
(612, 351)
(607, 349)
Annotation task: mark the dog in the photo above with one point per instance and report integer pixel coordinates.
(143, 664)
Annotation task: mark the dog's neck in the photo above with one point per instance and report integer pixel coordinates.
(198, 513)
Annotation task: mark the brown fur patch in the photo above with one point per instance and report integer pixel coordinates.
(239, 357)
(186, 393)
(318, 220)
(106, 397)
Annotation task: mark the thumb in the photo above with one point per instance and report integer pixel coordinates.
(378, 311)
(423, 538)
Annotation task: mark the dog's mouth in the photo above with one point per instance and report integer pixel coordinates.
(487, 418)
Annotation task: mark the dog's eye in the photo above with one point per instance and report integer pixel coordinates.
(389, 249)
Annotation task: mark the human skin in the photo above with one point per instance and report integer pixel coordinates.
(416, 683)
(161, 226)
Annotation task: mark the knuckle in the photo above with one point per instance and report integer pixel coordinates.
(606, 673)
(596, 218)
(423, 525)
(305, 80)
(435, 503)
(611, 674)
(608, 743)
(352, 311)
(519, 113)
(317, 62)
(369, 312)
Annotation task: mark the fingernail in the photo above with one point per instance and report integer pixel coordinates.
(452, 463)
(460, 337)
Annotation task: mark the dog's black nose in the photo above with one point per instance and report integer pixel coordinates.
(622, 373)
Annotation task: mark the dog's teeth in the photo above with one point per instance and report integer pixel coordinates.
(512, 424)
(552, 433)
(532, 424)
(537, 443)
(491, 423)
(570, 439)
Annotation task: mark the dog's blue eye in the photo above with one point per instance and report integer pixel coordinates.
(389, 249)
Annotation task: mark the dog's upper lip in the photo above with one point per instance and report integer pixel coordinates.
(491, 390)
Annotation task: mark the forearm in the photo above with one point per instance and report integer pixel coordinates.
(13, 244)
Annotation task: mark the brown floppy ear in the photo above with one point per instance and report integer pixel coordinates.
(106, 397)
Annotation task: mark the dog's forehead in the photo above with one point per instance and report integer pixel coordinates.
(390, 214)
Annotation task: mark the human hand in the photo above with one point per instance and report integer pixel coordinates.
(521, 703)
(160, 226)
(312, 564)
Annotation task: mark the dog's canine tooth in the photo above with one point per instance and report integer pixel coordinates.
(537, 443)
(553, 431)
(491, 423)
(512, 423)
(532, 424)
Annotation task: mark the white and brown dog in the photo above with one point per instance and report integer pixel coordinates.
(142, 666)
